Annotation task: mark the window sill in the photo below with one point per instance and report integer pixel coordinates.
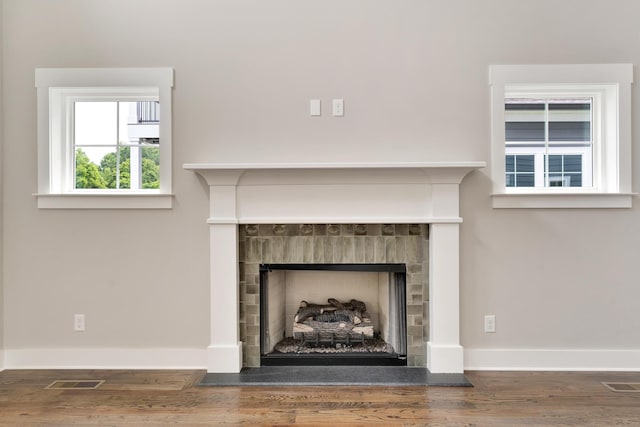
(105, 201)
(562, 200)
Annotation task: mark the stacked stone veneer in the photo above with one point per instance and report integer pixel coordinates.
(340, 244)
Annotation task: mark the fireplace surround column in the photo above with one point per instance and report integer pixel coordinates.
(444, 352)
(225, 349)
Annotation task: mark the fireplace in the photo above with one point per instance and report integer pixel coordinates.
(342, 251)
(330, 314)
(303, 196)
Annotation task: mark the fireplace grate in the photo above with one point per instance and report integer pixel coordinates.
(328, 338)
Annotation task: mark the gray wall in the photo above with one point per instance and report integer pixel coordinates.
(2, 299)
(414, 78)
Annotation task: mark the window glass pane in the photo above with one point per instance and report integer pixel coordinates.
(88, 170)
(509, 163)
(570, 120)
(520, 170)
(524, 131)
(525, 180)
(525, 163)
(569, 131)
(95, 123)
(110, 168)
(148, 112)
(126, 118)
(124, 156)
(573, 163)
(575, 180)
(555, 163)
(524, 120)
(555, 180)
(150, 167)
(510, 180)
(139, 122)
(566, 170)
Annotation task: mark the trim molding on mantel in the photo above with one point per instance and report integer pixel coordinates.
(432, 172)
(290, 193)
(335, 193)
(335, 220)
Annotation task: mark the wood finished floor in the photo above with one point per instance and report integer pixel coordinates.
(170, 397)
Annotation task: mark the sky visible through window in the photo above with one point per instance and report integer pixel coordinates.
(99, 126)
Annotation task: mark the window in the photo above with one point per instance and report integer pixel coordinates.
(561, 135)
(520, 170)
(101, 140)
(115, 145)
(564, 170)
(551, 128)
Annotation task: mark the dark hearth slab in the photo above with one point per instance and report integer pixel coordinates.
(335, 375)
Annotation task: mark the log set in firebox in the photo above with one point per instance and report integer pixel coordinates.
(332, 323)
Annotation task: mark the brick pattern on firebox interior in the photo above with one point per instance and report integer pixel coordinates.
(335, 243)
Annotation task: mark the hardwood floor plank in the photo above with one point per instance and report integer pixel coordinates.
(129, 398)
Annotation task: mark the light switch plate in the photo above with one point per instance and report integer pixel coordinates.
(78, 322)
(338, 107)
(314, 107)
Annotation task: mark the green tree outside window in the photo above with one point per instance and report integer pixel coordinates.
(90, 175)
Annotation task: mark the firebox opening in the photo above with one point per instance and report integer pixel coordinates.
(321, 314)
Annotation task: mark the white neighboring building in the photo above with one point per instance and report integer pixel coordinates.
(143, 130)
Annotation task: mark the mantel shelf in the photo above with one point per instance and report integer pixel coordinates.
(360, 165)
(433, 172)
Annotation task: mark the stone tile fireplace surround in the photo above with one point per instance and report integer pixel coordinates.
(338, 244)
(336, 194)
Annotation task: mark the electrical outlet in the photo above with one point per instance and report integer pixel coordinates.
(78, 322)
(490, 323)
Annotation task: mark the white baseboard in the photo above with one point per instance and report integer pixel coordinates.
(224, 358)
(444, 358)
(168, 358)
(1, 360)
(105, 358)
(551, 360)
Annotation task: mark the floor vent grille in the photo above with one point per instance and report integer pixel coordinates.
(623, 387)
(75, 384)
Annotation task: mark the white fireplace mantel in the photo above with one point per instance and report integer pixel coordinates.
(334, 193)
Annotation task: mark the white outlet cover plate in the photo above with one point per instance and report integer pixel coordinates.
(490, 323)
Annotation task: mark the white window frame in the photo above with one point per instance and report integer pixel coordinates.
(57, 89)
(610, 87)
(524, 152)
(539, 171)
